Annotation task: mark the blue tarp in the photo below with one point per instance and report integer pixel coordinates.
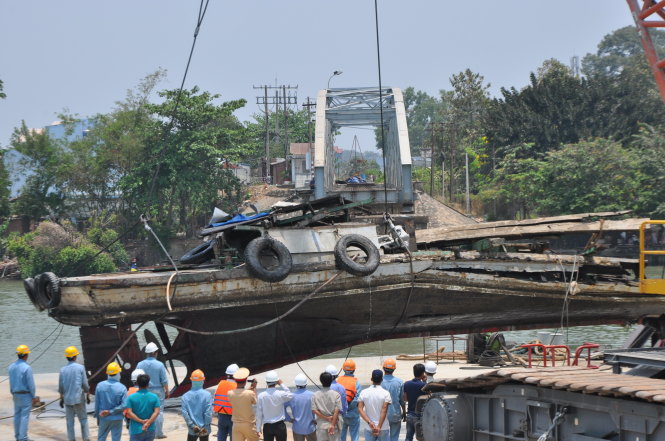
(239, 218)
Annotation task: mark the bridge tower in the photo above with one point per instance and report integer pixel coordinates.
(336, 108)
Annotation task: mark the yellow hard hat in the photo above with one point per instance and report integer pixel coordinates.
(113, 368)
(197, 375)
(71, 351)
(22, 350)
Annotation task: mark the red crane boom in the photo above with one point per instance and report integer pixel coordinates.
(650, 15)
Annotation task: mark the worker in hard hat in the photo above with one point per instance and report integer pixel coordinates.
(196, 408)
(22, 387)
(110, 400)
(301, 417)
(397, 408)
(413, 389)
(332, 370)
(132, 389)
(270, 414)
(222, 405)
(143, 408)
(159, 382)
(430, 371)
(350, 421)
(73, 388)
(327, 404)
(243, 401)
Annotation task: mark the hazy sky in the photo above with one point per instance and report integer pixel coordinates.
(84, 55)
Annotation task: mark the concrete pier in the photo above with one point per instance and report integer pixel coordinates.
(49, 424)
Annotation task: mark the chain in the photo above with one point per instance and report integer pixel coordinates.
(555, 422)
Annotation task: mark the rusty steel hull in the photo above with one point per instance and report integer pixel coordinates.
(394, 302)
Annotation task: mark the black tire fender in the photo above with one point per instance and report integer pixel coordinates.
(47, 291)
(29, 285)
(199, 254)
(344, 262)
(267, 259)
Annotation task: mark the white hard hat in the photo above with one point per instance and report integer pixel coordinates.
(430, 367)
(301, 380)
(232, 369)
(332, 370)
(136, 373)
(272, 377)
(150, 348)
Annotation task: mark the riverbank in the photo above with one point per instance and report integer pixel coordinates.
(49, 424)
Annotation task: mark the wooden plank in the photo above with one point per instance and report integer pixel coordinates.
(540, 220)
(457, 234)
(543, 375)
(650, 394)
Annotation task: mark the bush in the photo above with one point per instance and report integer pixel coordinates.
(51, 247)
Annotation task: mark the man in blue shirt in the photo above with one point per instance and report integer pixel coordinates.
(302, 417)
(110, 400)
(413, 390)
(332, 370)
(73, 388)
(159, 383)
(196, 406)
(142, 410)
(22, 387)
(395, 386)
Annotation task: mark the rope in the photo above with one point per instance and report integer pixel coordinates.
(260, 325)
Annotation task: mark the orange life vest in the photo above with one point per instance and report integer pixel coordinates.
(349, 384)
(221, 403)
(130, 391)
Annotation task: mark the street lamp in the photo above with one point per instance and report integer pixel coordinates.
(337, 72)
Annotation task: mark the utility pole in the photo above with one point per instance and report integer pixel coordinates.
(443, 180)
(468, 196)
(308, 105)
(435, 132)
(431, 164)
(287, 99)
(286, 136)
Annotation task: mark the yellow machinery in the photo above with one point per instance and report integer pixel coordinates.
(652, 278)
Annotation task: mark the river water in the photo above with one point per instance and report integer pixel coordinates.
(21, 323)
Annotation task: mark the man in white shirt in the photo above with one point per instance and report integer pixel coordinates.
(373, 407)
(270, 414)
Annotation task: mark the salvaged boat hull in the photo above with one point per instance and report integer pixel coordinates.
(431, 295)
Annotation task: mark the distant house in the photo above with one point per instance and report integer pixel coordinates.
(301, 163)
(241, 171)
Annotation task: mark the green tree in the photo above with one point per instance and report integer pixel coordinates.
(42, 162)
(649, 146)
(2, 93)
(597, 175)
(256, 134)
(619, 49)
(180, 173)
(4, 186)
(514, 188)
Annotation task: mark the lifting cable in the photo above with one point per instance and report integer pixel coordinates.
(385, 171)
